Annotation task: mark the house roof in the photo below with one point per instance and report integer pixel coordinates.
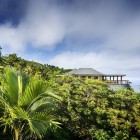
(91, 72)
(107, 75)
(85, 72)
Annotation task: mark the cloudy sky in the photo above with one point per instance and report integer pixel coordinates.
(99, 34)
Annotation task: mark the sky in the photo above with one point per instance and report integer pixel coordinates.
(99, 34)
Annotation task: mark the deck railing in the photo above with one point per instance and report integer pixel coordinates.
(119, 82)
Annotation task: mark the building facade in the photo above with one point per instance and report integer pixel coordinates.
(115, 81)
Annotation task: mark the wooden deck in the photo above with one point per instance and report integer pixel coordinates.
(117, 82)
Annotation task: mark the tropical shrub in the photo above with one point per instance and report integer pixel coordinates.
(90, 110)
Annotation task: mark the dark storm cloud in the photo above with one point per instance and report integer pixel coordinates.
(133, 4)
(12, 10)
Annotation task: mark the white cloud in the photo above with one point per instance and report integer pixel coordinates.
(106, 63)
(41, 27)
(11, 38)
(48, 23)
(44, 24)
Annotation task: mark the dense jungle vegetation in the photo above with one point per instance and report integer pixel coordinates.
(40, 102)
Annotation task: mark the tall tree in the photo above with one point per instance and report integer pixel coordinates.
(26, 105)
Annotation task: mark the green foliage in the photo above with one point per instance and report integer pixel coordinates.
(45, 71)
(26, 105)
(90, 110)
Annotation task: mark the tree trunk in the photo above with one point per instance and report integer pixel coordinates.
(16, 134)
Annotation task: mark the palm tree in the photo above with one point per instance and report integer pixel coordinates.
(26, 105)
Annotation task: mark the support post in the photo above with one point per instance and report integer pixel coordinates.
(121, 79)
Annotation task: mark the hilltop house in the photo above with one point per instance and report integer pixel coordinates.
(114, 80)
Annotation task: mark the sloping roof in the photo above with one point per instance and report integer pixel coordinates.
(85, 72)
(114, 75)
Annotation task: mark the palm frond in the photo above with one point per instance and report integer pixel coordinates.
(20, 86)
(43, 98)
(10, 85)
(41, 122)
(18, 113)
(6, 122)
(26, 104)
(40, 107)
(51, 94)
(25, 80)
(33, 89)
